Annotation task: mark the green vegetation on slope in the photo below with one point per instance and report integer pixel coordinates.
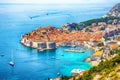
(103, 69)
(106, 69)
(108, 20)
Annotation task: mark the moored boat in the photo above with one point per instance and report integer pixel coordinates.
(76, 71)
(11, 62)
(74, 50)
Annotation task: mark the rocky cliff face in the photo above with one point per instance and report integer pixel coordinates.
(115, 11)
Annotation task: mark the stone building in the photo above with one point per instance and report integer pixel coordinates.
(42, 45)
(51, 45)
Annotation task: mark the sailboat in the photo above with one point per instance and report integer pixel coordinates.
(11, 62)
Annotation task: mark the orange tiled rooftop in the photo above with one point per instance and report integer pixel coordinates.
(51, 33)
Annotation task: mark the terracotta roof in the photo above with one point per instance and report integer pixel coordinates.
(56, 35)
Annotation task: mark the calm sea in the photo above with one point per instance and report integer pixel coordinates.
(18, 19)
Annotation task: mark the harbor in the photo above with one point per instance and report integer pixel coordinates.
(76, 49)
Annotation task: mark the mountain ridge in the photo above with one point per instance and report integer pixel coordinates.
(115, 11)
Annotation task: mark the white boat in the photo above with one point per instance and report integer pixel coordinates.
(2, 55)
(76, 71)
(41, 50)
(11, 62)
(53, 57)
(57, 58)
(73, 45)
(58, 74)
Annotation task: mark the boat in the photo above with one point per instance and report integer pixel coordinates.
(62, 54)
(53, 57)
(57, 58)
(11, 62)
(41, 50)
(58, 74)
(2, 55)
(77, 71)
(47, 14)
(73, 46)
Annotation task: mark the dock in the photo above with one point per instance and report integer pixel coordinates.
(74, 50)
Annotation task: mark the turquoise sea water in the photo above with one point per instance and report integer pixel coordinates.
(30, 64)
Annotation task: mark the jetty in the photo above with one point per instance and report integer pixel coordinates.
(74, 50)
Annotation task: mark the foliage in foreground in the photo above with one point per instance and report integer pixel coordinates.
(104, 67)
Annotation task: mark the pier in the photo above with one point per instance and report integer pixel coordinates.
(74, 50)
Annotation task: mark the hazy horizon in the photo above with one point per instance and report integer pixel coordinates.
(59, 2)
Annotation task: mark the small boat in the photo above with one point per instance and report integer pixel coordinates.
(57, 58)
(58, 74)
(62, 54)
(11, 62)
(50, 79)
(53, 57)
(47, 14)
(2, 55)
(30, 17)
(73, 46)
(41, 50)
(76, 71)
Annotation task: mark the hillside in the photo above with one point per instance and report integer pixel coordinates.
(89, 23)
(106, 70)
(115, 11)
(113, 75)
(112, 17)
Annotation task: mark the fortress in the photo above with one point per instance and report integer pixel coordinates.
(38, 45)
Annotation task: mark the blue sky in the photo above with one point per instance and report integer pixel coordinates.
(62, 1)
